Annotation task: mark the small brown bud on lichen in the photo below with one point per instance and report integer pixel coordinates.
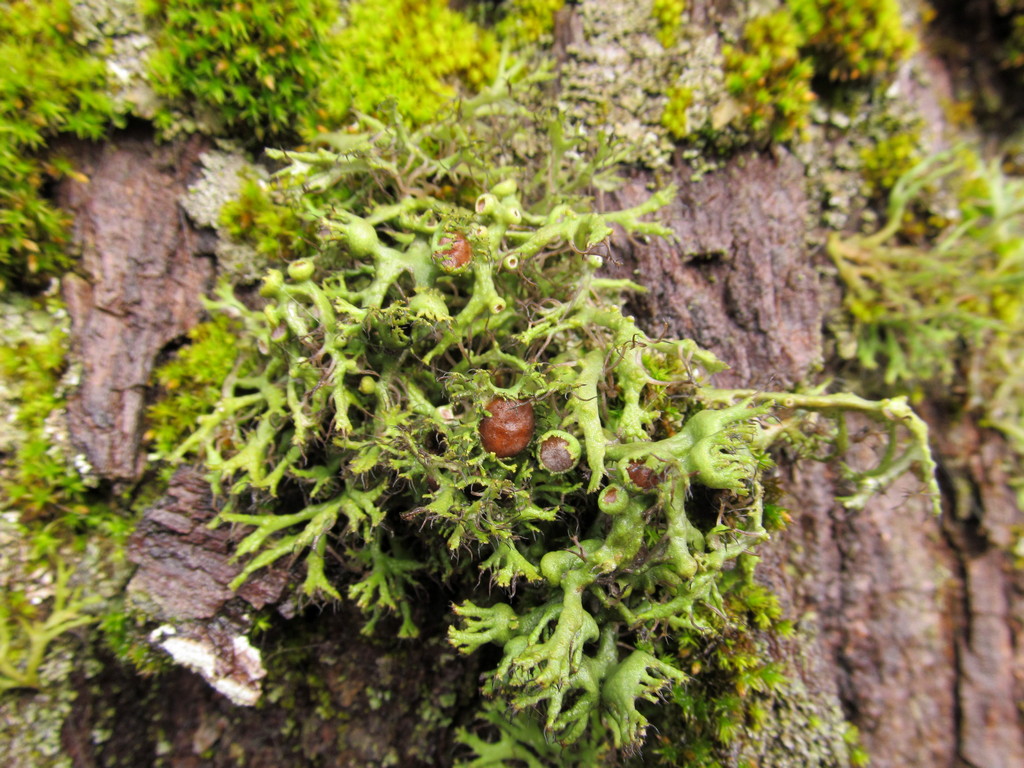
(640, 476)
(453, 252)
(613, 500)
(509, 428)
(558, 452)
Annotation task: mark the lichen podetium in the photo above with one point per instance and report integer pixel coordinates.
(351, 428)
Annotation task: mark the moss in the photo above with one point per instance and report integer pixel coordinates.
(41, 476)
(51, 86)
(256, 217)
(191, 383)
(56, 526)
(256, 65)
(669, 15)
(406, 56)
(275, 71)
(768, 75)
(852, 40)
(674, 117)
(732, 683)
(786, 59)
(527, 21)
(886, 161)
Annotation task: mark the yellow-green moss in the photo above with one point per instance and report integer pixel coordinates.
(674, 117)
(805, 43)
(769, 77)
(50, 85)
(406, 55)
(276, 231)
(38, 478)
(191, 382)
(853, 39)
(256, 65)
(669, 15)
(885, 161)
(526, 21)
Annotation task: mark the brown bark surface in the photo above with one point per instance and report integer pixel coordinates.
(736, 278)
(184, 566)
(140, 287)
(911, 624)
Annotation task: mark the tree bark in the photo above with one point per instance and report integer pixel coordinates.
(142, 278)
(908, 625)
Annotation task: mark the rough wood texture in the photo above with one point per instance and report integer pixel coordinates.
(140, 287)
(184, 567)
(736, 279)
(982, 525)
(909, 626)
(875, 590)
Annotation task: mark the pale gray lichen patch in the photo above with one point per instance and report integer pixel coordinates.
(30, 728)
(219, 184)
(223, 171)
(220, 654)
(615, 78)
(833, 154)
(115, 30)
(103, 19)
(618, 79)
(702, 74)
(803, 730)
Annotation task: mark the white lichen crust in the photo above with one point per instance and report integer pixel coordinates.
(234, 668)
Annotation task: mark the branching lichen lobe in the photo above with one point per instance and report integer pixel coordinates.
(385, 403)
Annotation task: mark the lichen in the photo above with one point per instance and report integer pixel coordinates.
(53, 588)
(946, 309)
(613, 82)
(358, 422)
(802, 728)
(215, 201)
(115, 31)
